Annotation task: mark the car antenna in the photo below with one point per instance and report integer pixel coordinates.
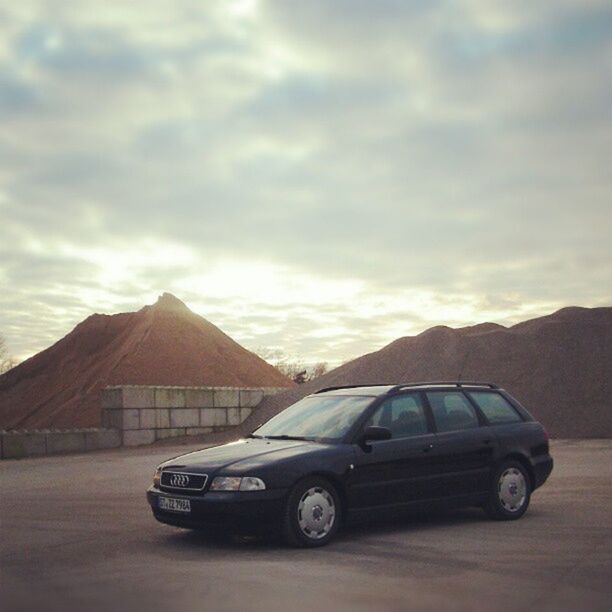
(465, 359)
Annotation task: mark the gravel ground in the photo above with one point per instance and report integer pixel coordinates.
(77, 534)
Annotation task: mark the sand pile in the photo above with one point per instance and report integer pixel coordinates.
(559, 366)
(163, 344)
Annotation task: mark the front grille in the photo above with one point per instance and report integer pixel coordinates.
(183, 481)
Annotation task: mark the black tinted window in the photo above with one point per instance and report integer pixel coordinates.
(403, 415)
(495, 407)
(452, 410)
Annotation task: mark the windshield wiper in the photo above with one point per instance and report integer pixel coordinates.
(286, 437)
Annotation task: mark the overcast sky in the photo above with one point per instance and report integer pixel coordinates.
(319, 177)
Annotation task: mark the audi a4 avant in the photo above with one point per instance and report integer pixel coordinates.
(355, 452)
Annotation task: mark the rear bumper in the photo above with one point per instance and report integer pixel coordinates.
(542, 467)
(231, 509)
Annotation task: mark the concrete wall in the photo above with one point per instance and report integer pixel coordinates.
(144, 414)
(19, 444)
(135, 415)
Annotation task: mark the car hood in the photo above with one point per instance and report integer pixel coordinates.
(251, 452)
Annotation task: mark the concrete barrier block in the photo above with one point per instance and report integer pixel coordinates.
(65, 442)
(274, 390)
(112, 398)
(130, 418)
(162, 434)
(227, 398)
(245, 413)
(249, 398)
(184, 417)
(233, 416)
(199, 398)
(212, 417)
(168, 397)
(138, 437)
(17, 445)
(103, 438)
(148, 418)
(112, 419)
(162, 418)
(138, 397)
(196, 431)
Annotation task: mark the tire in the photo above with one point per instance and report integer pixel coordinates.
(510, 492)
(312, 513)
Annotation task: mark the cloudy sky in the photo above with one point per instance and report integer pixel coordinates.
(320, 177)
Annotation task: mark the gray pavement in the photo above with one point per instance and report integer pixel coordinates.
(76, 533)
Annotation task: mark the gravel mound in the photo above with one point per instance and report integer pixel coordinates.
(559, 366)
(163, 344)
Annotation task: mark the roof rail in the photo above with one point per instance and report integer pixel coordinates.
(352, 387)
(449, 383)
(395, 388)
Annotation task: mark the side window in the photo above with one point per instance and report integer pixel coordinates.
(495, 407)
(452, 410)
(403, 415)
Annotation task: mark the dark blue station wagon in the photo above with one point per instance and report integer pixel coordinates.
(355, 452)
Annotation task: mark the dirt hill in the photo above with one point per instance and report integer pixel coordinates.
(163, 344)
(559, 366)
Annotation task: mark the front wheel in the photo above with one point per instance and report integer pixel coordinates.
(510, 492)
(312, 514)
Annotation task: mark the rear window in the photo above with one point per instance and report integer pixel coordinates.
(495, 407)
(452, 410)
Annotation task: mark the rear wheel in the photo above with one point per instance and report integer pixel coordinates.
(510, 492)
(312, 514)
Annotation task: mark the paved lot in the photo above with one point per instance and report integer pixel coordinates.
(76, 534)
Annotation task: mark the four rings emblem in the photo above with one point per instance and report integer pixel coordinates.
(179, 480)
(183, 480)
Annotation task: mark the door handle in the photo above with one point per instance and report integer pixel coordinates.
(427, 448)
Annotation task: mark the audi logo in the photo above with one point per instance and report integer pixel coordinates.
(179, 480)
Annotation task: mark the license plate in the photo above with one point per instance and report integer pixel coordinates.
(173, 504)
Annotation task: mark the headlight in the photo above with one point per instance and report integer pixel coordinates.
(250, 483)
(236, 483)
(157, 477)
(225, 483)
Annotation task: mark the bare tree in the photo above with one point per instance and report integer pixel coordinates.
(295, 369)
(6, 361)
(318, 369)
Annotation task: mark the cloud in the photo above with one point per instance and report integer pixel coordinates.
(433, 162)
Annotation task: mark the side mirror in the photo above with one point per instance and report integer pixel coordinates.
(373, 433)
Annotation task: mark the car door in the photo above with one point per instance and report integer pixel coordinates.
(465, 446)
(394, 472)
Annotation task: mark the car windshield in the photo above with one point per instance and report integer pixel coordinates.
(316, 417)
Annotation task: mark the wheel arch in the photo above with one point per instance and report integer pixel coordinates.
(335, 480)
(524, 461)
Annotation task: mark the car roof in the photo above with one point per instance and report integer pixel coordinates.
(387, 389)
(372, 390)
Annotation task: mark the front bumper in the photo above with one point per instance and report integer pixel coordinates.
(230, 509)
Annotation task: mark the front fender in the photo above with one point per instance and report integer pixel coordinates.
(283, 473)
